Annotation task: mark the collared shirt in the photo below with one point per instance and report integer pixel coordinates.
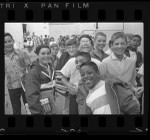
(15, 68)
(97, 99)
(124, 70)
(70, 71)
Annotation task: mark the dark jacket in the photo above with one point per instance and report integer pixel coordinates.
(34, 79)
(122, 99)
(128, 102)
(63, 60)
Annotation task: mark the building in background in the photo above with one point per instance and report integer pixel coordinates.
(57, 29)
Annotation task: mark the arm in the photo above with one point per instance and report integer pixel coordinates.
(80, 100)
(70, 87)
(66, 71)
(32, 91)
(133, 80)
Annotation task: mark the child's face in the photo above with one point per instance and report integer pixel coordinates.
(100, 42)
(89, 76)
(119, 46)
(85, 41)
(135, 42)
(62, 48)
(72, 49)
(9, 43)
(85, 48)
(54, 50)
(80, 60)
(44, 56)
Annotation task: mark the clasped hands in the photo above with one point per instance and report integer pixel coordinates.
(72, 89)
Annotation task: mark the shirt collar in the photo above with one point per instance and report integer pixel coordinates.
(96, 54)
(96, 86)
(14, 52)
(113, 57)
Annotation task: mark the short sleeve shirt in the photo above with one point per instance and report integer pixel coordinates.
(15, 68)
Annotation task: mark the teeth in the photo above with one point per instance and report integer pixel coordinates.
(88, 80)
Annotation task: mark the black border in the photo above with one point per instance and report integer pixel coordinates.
(65, 124)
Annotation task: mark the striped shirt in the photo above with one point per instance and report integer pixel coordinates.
(97, 99)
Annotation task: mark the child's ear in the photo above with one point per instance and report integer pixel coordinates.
(112, 48)
(139, 44)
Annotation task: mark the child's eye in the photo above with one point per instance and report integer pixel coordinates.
(122, 43)
(89, 73)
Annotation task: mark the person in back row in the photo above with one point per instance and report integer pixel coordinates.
(62, 49)
(99, 44)
(134, 44)
(54, 60)
(71, 46)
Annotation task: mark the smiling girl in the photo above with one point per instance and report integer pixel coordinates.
(99, 45)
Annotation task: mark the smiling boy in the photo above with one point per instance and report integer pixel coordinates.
(99, 99)
(118, 65)
(71, 71)
(105, 97)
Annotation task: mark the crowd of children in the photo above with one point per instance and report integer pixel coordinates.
(93, 81)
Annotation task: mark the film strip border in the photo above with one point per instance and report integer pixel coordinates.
(95, 12)
(66, 12)
(77, 124)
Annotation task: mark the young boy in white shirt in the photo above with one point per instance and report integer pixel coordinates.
(118, 65)
(71, 71)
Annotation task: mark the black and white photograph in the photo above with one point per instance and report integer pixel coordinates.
(86, 68)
